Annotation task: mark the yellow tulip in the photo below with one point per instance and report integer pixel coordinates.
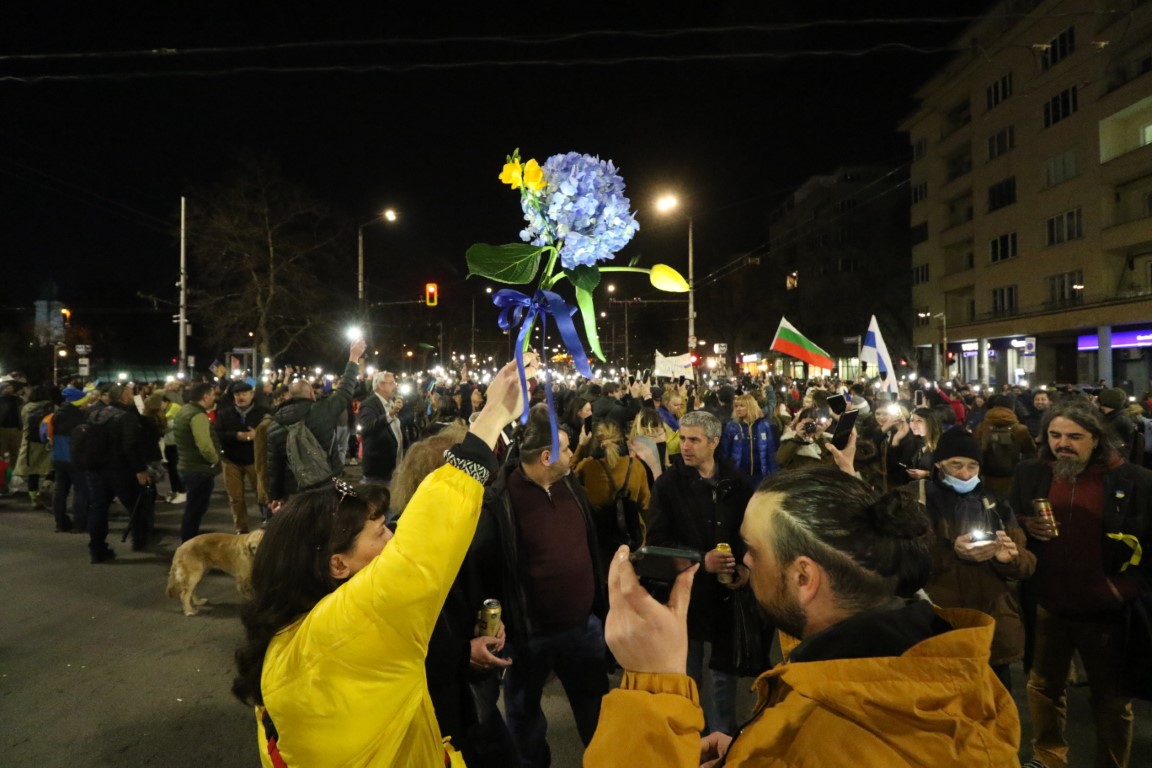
(533, 176)
(665, 278)
(511, 174)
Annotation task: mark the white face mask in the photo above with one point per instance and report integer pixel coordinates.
(962, 486)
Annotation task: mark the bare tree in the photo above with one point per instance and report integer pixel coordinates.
(260, 249)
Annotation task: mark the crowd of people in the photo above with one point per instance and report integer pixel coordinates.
(956, 533)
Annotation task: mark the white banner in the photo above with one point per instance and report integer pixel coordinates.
(672, 367)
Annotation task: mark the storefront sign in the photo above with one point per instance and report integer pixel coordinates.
(1120, 340)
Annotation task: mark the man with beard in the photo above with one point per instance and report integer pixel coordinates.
(875, 679)
(1086, 570)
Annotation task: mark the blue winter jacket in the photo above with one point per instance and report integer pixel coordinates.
(751, 449)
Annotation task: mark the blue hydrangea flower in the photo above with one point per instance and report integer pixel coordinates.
(582, 206)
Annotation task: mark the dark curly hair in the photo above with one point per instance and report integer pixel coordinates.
(291, 573)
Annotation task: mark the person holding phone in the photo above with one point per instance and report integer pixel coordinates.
(910, 449)
(803, 442)
(978, 549)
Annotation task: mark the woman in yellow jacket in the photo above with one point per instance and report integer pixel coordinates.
(343, 610)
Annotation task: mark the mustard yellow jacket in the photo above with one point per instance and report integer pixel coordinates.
(939, 704)
(345, 684)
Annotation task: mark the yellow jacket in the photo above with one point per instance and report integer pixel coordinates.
(345, 684)
(938, 704)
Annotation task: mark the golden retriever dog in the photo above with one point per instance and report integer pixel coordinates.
(229, 552)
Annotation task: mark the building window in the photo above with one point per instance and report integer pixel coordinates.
(1065, 289)
(920, 274)
(1061, 106)
(1066, 226)
(1001, 194)
(1059, 48)
(1004, 300)
(919, 149)
(1001, 142)
(1003, 248)
(919, 233)
(999, 90)
(923, 317)
(1061, 168)
(846, 205)
(1146, 135)
(1148, 203)
(919, 192)
(960, 163)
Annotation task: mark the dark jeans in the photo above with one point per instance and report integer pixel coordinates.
(577, 656)
(171, 457)
(68, 478)
(198, 486)
(106, 485)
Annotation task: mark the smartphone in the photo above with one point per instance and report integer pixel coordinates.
(680, 381)
(844, 429)
(837, 404)
(588, 425)
(918, 398)
(662, 564)
(646, 375)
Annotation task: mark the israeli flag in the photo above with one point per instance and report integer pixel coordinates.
(875, 352)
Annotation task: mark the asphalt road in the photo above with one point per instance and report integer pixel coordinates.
(98, 667)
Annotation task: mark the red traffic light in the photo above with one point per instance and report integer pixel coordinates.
(431, 294)
(694, 359)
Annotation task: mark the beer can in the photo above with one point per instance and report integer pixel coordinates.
(490, 617)
(724, 577)
(1043, 509)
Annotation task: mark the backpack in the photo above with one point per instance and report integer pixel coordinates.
(623, 521)
(32, 428)
(307, 459)
(94, 442)
(1000, 452)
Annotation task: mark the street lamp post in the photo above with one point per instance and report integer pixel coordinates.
(472, 349)
(664, 205)
(386, 215)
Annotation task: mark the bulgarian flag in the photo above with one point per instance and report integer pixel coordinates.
(795, 344)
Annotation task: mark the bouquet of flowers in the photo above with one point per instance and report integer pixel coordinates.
(578, 218)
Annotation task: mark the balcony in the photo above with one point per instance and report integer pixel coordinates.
(1127, 238)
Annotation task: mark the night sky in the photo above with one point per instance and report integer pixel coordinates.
(416, 111)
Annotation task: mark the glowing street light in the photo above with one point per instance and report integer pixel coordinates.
(665, 204)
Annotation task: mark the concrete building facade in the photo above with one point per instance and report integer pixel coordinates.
(1031, 185)
(841, 242)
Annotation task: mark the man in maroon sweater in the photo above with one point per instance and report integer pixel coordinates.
(536, 548)
(1085, 573)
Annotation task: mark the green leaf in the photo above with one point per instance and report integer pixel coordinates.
(584, 276)
(588, 313)
(513, 263)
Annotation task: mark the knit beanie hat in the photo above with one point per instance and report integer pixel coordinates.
(1114, 398)
(957, 443)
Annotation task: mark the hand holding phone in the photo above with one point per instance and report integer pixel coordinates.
(658, 567)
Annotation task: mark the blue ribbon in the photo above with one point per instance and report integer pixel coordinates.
(518, 309)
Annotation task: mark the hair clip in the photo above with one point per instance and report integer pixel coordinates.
(344, 488)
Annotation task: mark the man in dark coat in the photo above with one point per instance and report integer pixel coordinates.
(1088, 567)
(124, 476)
(381, 432)
(699, 504)
(236, 424)
(321, 417)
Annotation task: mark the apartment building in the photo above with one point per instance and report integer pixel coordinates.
(841, 241)
(1031, 187)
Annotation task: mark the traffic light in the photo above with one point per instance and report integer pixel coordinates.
(694, 359)
(431, 294)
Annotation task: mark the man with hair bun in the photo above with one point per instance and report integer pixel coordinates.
(876, 680)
